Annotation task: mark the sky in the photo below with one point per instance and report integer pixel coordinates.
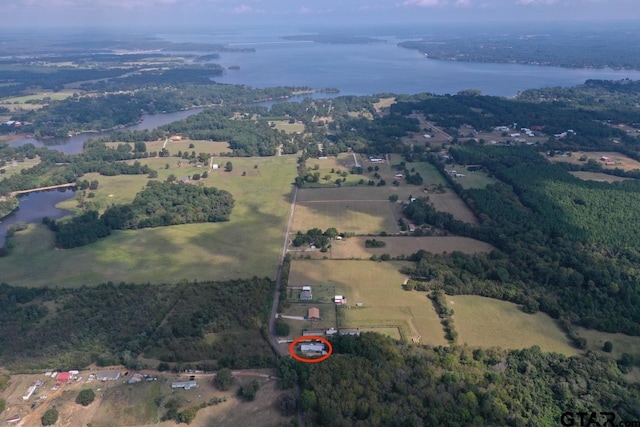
(152, 13)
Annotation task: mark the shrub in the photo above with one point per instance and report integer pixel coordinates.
(50, 417)
(85, 397)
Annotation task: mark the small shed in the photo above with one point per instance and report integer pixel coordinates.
(339, 299)
(312, 332)
(306, 296)
(313, 314)
(349, 331)
(63, 377)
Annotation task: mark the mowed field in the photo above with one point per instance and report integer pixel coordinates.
(622, 161)
(596, 176)
(378, 286)
(354, 247)
(247, 245)
(487, 322)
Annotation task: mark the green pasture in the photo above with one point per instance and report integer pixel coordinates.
(378, 286)
(621, 343)
(247, 245)
(487, 322)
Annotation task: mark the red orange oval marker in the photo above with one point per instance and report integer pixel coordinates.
(299, 358)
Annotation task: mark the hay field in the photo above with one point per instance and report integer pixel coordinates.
(379, 287)
(354, 247)
(596, 176)
(487, 322)
(208, 251)
(360, 217)
(622, 161)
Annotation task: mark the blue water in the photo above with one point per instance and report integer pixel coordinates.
(365, 69)
(34, 207)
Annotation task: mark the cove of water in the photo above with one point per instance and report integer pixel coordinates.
(34, 207)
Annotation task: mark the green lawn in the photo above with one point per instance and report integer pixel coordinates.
(247, 245)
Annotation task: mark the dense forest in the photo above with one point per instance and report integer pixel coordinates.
(374, 380)
(111, 324)
(159, 204)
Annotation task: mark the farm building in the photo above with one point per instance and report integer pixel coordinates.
(315, 348)
(63, 377)
(108, 375)
(331, 331)
(313, 314)
(306, 295)
(314, 332)
(184, 384)
(339, 299)
(349, 331)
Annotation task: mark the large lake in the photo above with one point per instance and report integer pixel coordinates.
(365, 69)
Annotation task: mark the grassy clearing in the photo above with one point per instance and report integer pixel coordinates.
(486, 322)
(379, 287)
(383, 103)
(17, 167)
(452, 203)
(596, 176)
(354, 247)
(247, 245)
(621, 343)
(471, 179)
(288, 127)
(621, 161)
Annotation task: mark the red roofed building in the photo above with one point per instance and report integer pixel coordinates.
(63, 377)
